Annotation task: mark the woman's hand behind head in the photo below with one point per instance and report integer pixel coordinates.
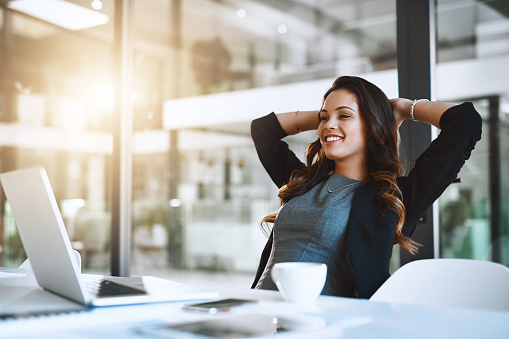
(400, 109)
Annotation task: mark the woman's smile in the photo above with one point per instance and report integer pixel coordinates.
(332, 138)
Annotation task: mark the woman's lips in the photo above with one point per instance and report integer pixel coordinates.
(329, 139)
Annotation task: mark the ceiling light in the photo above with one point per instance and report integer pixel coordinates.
(175, 203)
(241, 13)
(60, 13)
(282, 29)
(97, 4)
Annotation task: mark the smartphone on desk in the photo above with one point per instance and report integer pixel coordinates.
(222, 305)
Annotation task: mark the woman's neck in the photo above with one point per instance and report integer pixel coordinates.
(359, 172)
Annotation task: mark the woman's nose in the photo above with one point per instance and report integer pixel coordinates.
(331, 124)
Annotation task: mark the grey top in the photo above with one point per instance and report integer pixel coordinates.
(310, 228)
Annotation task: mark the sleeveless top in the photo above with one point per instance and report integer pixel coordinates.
(311, 228)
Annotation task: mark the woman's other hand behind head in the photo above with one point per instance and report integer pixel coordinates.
(400, 109)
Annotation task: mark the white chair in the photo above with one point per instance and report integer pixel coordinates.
(460, 283)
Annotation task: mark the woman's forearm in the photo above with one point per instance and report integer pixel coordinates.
(299, 121)
(425, 111)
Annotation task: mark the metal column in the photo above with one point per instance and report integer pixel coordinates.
(176, 235)
(495, 170)
(122, 141)
(416, 68)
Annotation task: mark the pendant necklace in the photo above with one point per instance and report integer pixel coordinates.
(337, 189)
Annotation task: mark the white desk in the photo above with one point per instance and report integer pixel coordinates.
(345, 318)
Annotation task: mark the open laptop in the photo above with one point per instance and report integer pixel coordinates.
(51, 256)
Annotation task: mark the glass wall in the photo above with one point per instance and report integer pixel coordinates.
(504, 170)
(56, 102)
(471, 29)
(474, 212)
(465, 216)
(473, 46)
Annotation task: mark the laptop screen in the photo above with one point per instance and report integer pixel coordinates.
(42, 232)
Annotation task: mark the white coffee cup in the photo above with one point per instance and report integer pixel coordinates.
(299, 282)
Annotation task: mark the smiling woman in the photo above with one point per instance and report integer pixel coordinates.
(343, 134)
(349, 203)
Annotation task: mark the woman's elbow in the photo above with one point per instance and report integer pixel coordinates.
(476, 125)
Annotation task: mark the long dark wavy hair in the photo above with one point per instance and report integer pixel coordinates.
(384, 165)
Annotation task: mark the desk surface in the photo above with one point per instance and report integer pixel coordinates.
(345, 318)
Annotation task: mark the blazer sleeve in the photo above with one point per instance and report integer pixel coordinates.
(274, 154)
(438, 166)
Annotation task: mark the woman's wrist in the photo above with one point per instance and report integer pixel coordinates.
(423, 110)
(298, 121)
(412, 107)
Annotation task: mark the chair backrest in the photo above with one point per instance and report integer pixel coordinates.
(460, 283)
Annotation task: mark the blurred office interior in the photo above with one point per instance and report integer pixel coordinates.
(202, 70)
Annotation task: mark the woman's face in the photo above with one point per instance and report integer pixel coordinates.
(343, 130)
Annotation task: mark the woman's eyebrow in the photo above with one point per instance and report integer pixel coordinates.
(347, 107)
(339, 108)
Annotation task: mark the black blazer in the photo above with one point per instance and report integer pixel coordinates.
(370, 229)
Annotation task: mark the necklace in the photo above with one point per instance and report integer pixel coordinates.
(337, 189)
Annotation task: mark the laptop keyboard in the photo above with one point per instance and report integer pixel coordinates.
(107, 288)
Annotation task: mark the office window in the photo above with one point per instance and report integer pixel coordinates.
(472, 47)
(465, 217)
(504, 169)
(474, 212)
(471, 29)
(56, 102)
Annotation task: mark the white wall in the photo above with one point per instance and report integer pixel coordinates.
(455, 80)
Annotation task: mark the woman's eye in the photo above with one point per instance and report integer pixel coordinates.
(322, 118)
(345, 116)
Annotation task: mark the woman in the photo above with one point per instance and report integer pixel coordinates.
(348, 205)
